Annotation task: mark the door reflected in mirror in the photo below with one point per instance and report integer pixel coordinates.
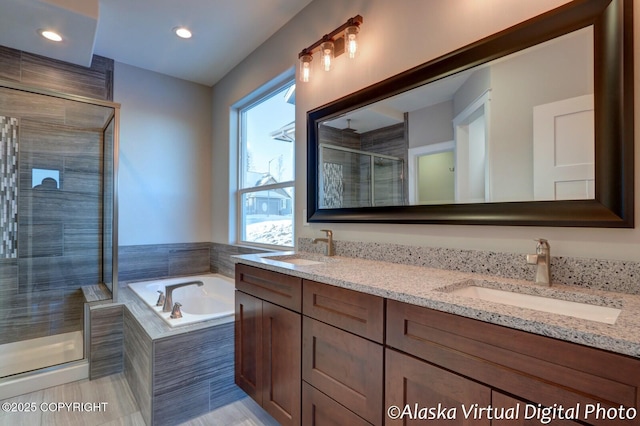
(519, 128)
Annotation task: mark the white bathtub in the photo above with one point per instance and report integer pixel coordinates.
(213, 300)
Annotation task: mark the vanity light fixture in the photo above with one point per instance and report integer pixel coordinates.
(342, 39)
(182, 32)
(50, 35)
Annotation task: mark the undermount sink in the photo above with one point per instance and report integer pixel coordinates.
(604, 314)
(295, 259)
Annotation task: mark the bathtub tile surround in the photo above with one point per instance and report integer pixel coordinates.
(208, 355)
(138, 355)
(598, 274)
(142, 262)
(221, 262)
(174, 373)
(106, 355)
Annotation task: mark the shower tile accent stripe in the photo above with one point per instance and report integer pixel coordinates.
(8, 187)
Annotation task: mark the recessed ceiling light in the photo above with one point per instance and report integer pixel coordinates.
(182, 32)
(50, 35)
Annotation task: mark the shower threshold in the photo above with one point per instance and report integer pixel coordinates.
(42, 352)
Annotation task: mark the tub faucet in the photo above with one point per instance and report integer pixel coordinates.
(328, 240)
(542, 260)
(168, 298)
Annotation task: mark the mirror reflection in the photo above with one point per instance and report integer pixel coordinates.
(519, 128)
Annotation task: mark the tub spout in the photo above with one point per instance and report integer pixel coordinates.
(168, 298)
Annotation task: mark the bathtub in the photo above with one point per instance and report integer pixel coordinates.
(213, 300)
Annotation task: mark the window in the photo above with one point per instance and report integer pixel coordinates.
(266, 186)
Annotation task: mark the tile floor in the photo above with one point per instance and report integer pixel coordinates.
(117, 407)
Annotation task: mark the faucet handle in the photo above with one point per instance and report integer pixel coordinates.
(532, 259)
(176, 312)
(160, 301)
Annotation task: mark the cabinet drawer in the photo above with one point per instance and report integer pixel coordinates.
(358, 313)
(345, 367)
(536, 368)
(281, 289)
(320, 410)
(501, 401)
(411, 382)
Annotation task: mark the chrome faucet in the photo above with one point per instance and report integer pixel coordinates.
(168, 298)
(328, 240)
(542, 260)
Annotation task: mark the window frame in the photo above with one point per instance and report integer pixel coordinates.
(260, 95)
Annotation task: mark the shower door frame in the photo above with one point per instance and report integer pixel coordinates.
(115, 116)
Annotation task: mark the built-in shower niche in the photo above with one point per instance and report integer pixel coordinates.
(60, 156)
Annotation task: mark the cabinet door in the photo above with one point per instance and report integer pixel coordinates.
(428, 391)
(345, 367)
(320, 410)
(248, 344)
(281, 355)
(510, 411)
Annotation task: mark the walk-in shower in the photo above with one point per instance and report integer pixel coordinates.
(356, 178)
(57, 221)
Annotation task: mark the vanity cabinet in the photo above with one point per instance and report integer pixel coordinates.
(438, 393)
(342, 356)
(267, 341)
(532, 368)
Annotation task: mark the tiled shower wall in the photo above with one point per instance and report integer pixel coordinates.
(57, 248)
(9, 187)
(347, 179)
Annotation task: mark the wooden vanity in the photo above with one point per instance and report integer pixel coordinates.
(318, 354)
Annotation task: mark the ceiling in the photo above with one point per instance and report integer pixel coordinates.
(139, 32)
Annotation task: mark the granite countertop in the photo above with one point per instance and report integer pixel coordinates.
(432, 288)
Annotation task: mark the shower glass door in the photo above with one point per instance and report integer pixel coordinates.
(56, 211)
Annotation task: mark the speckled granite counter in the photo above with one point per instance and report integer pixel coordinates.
(431, 288)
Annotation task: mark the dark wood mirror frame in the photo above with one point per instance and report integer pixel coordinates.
(613, 206)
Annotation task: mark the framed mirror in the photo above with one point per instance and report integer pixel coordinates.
(530, 126)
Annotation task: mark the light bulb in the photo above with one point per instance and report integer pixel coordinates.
(305, 67)
(327, 49)
(182, 32)
(50, 35)
(351, 40)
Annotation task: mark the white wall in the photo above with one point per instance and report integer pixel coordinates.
(395, 36)
(165, 146)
